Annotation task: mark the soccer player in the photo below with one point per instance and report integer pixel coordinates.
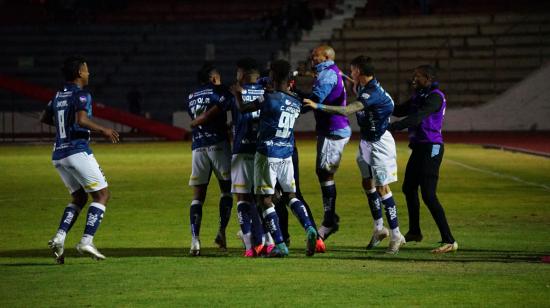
(208, 106)
(279, 109)
(333, 131)
(376, 157)
(424, 114)
(70, 112)
(245, 131)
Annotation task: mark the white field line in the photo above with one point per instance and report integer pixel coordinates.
(500, 175)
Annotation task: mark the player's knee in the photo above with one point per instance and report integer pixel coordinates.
(323, 175)
(383, 190)
(101, 196)
(368, 184)
(407, 188)
(80, 198)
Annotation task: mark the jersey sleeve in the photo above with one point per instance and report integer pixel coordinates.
(83, 101)
(367, 99)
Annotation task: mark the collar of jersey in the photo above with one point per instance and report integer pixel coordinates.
(321, 66)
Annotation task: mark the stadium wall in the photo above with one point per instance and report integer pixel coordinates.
(523, 107)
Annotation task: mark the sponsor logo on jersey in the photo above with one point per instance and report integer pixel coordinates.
(83, 98)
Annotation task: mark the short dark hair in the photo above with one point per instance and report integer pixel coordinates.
(247, 64)
(281, 70)
(364, 64)
(429, 71)
(205, 72)
(71, 67)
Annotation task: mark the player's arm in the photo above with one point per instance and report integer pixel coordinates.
(236, 90)
(342, 110)
(83, 121)
(47, 115)
(402, 109)
(206, 116)
(433, 104)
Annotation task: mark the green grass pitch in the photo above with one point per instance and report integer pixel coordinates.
(497, 204)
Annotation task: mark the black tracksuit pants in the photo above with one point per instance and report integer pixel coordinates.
(423, 170)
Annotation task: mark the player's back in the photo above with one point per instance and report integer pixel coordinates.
(202, 99)
(70, 138)
(277, 116)
(246, 125)
(378, 106)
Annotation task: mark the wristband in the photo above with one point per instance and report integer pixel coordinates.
(320, 106)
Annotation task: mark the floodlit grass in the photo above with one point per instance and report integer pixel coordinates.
(497, 203)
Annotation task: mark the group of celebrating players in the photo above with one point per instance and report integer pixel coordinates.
(260, 168)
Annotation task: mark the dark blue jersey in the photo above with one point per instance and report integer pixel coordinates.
(278, 113)
(70, 138)
(201, 100)
(245, 125)
(375, 117)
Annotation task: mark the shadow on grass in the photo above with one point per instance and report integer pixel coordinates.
(407, 254)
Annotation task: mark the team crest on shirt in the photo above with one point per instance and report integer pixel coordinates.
(191, 96)
(244, 91)
(365, 96)
(83, 98)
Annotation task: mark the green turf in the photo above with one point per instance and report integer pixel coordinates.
(497, 203)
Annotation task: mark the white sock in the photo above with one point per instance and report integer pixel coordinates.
(379, 224)
(87, 239)
(61, 235)
(247, 240)
(395, 234)
(268, 239)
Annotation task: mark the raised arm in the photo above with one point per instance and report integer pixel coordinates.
(83, 120)
(342, 110)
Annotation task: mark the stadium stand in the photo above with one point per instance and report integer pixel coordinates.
(155, 47)
(479, 55)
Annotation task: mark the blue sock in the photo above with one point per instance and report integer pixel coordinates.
(391, 210)
(70, 214)
(257, 226)
(195, 215)
(243, 210)
(226, 203)
(272, 224)
(374, 204)
(328, 190)
(300, 211)
(93, 220)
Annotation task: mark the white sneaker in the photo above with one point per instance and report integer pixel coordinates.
(195, 249)
(394, 246)
(91, 250)
(57, 247)
(446, 247)
(377, 237)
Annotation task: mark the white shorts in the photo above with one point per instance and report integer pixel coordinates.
(215, 158)
(80, 170)
(270, 170)
(242, 173)
(329, 153)
(377, 160)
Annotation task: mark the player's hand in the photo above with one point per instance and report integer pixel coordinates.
(309, 103)
(111, 134)
(236, 89)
